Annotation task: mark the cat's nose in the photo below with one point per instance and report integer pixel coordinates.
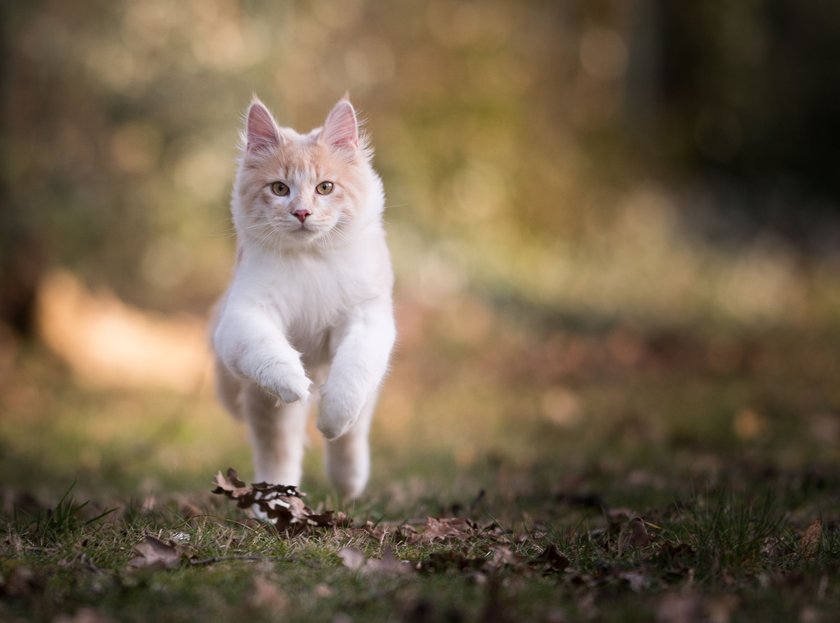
(301, 214)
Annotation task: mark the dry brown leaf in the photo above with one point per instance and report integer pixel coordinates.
(322, 590)
(720, 609)
(234, 488)
(680, 608)
(633, 535)
(152, 553)
(771, 546)
(355, 560)
(389, 563)
(352, 558)
(551, 560)
(383, 530)
(620, 514)
(445, 528)
(267, 594)
(20, 581)
(675, 558)
(437, 562)
(809, 543)
(406, 534)
(635, 579)
(503, 556)
(83, 615)
(281, 505)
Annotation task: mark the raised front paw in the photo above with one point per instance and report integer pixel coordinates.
(337, 413)
(285, 380)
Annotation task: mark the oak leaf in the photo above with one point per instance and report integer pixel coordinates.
(355, 560)
(152, 553)
(551, 560)
(809, 543)
(83, 615)
(458, 528)
(281, 505)
(267, 594)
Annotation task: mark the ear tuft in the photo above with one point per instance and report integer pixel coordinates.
(261, 129)
(341, 129)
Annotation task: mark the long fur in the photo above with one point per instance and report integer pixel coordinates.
(309, 310)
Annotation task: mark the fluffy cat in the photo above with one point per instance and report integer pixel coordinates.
(309, 310)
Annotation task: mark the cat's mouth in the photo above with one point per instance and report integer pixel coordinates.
(305, 230)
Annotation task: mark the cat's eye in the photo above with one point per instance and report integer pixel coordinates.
(324, 188)
(279, 189)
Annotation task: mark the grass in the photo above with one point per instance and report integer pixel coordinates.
(702, 550)
(56, 524)
(612, 474)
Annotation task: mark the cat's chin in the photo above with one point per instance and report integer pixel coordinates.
(302, 237)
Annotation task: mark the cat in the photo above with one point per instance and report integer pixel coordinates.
(309, 310)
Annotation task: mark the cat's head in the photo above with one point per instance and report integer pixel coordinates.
(304, 190)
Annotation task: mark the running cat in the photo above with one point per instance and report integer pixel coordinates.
(309, 310)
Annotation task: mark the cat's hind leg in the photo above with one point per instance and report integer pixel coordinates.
(348, 456)
(278, 435)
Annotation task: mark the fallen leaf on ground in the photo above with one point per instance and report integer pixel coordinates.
(633, 535)
(267, 594)
(447, 528)
(503, 556)
(438, 562)
(281, 505)
(152, 553)
(810, 541)
(551, 560)
(83, 615)
(352, 558)
(676, 559)
(680, 608)
(720, 609)
(355, 560)
(635, 579)
(498, 557)
(20, 581)
(322, 590)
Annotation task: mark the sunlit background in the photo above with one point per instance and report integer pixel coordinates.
(580, 195)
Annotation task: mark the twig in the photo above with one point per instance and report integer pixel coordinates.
(246, 557)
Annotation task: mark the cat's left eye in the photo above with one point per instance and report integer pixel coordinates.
(324, 188)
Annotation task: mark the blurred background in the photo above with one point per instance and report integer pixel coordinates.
(605, 216)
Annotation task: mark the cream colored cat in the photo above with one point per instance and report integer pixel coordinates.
(309, 309)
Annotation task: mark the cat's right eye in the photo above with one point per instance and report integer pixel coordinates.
(279, 189)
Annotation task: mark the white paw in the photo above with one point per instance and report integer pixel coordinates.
(286, 381)
(348, 464)
(336, 414)
(349, 483)
(351, 488)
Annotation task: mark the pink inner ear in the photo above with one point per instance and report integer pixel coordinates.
(341, 128)
(262, 132)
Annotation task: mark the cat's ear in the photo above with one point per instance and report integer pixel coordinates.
(341, 129)
(261, 130)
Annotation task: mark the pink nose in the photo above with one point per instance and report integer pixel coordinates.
(301, 215)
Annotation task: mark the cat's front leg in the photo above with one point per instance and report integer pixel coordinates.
(348, 456)
(278, 434)
(255, 348)
(359, 364)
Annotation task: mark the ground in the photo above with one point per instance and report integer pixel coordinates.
(523, 471)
